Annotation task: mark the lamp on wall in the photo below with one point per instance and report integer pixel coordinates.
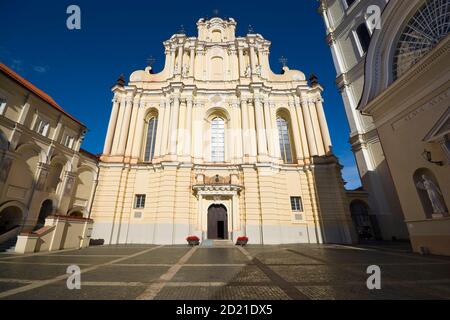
(427, 156)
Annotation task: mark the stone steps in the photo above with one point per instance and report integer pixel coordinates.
(217, 243)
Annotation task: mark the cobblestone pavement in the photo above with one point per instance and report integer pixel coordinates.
(284, 272)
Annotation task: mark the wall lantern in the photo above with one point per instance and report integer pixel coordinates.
(427, 156)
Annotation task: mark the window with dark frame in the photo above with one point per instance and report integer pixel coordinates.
(349, 3)
(139, 201)
(151, 139)
(2, 105)
(296, 204)
(363, 37)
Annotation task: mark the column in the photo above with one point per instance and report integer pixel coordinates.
(303, 135)
(118, 131)
(58, 131)
(197, 131)
(241, 62)
(139, 136)
(172, 61)
(180, 59)
(165, 128)
(191, 62)
(251, 117)
(245, 128)
(188, 128)
(134, 114)
(323, 125)
(111, 127)
(316, 128)
(174, 126)
(237, 132)
(252, 58)
(24, 112)
(276, 137)
(261, 135)
(296, 132)
(309, 128)
(269, 130)
(125, 126)
(160, 129)
(181, 127)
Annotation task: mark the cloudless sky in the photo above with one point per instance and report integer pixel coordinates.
(77, 68)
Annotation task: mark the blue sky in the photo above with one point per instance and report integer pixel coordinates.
(77, 68)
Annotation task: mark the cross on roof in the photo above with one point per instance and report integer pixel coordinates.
(181, 30)
(283, 61)
(151, 61)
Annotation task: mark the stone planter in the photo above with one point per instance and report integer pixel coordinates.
(242, 241)
(193, 241)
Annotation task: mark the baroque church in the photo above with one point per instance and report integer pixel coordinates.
(218, 146)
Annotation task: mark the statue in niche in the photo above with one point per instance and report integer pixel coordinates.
(248, 71)
(258, 70)
(185, 71)
(176, 68)
(434, 195)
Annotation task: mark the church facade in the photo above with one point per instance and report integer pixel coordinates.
(218, 146)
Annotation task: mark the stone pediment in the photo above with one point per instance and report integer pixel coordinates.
(440, 129)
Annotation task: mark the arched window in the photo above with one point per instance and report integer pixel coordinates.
(363, 37)
(285, 141)
(423, 32)
(218, 140)
(151, 138)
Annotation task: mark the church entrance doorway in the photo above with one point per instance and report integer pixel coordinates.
(217, 222)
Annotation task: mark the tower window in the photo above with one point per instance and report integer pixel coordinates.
(218, 140)
(139, 201)
(2, 106)
(349, 3)
(296, 204)
(363, 37)
(42, 127)
(151, 139)
(285, 141)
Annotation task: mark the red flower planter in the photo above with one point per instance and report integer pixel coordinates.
(241, 241)
(193, 241)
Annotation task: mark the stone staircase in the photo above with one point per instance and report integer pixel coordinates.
(9, 245)
(217, 243)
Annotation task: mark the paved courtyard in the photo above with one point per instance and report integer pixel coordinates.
(226, 273)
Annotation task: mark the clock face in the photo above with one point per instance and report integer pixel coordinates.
(429, 25)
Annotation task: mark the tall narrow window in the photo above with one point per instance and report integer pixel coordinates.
(349, 3)
(296, 204)
(285, 142)
(42, 127)
(139, 201)
(218, 140)
(151, 137)
(363, 37)
(2, 106)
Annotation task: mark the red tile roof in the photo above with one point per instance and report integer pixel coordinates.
(38, 92)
